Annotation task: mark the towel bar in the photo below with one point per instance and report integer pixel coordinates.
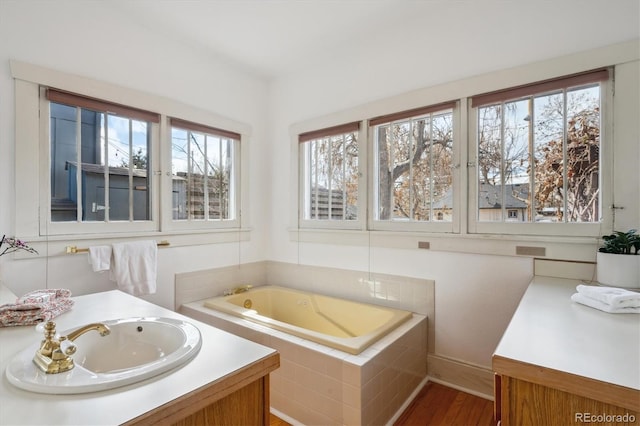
(74, 249)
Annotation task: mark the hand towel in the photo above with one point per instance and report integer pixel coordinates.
(35, 307)
(593, 303)
(616, 297)
(134, 267)
(100, 258)
(48, 295)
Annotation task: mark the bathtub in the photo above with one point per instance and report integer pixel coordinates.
(340, 324)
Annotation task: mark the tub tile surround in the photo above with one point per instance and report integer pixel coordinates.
(319, 385)
(316, 384)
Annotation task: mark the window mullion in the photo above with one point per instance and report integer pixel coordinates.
(532, 162)
(79, 163)
(502, 163)
(344, 177)
(189, 178)
(107, 201)
(315, 180)
(131, 187)
(413, 144)
(330, 178)
(431, 179)
(565, 141)
(205, 180)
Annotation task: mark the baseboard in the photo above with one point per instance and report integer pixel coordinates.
(282, 416)
(459, 375)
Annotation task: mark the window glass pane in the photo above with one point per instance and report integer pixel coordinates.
(113, 153)
(64, 158)
(401, 147)
(330, 183)
(203, 170)
(548, 152)
(225, 187)
(489, 163)
(442, 160)
(560, 131)
(179, 172)
(195, 186)
(118, 137)
(385, 169)
(351, 175)
(514, 191)
(141, 170)
(414, 169)
(583, 155)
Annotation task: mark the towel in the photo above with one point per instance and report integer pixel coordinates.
(597, 304)
(134, 267)
(616, 297)
(100, 258)
(35, 307)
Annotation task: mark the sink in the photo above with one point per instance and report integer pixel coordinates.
(136, 349)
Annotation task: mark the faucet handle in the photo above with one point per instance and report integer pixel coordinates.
(68, 347)
(48, 329)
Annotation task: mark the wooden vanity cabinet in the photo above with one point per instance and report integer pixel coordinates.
(239, 399)
(562, 363)
(521, 402)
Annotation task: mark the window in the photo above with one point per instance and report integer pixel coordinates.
(538, 151)
(111, 167)
(100, 163)
(413, 166)
(330, 176)
(204, 172)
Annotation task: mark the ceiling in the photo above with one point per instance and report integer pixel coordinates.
(275, 38)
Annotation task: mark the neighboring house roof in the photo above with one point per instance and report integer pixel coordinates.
(99, 169)
(490, 196)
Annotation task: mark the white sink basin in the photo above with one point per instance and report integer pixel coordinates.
(136, 349)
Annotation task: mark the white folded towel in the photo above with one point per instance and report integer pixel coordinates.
(616, 297)
(134, 267)
(585, 300)
(100, 258)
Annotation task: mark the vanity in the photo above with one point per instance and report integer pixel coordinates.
(562, 363)
(227, 382)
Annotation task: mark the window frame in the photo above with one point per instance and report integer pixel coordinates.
(312, 135)
(418, 226)
(575, 229)
(236, 200)
(91, 227)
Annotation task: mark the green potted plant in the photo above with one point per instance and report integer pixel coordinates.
(618, 260)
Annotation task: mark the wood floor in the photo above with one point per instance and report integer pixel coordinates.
(439, 405)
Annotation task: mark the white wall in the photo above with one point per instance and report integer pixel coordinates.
(94, 40)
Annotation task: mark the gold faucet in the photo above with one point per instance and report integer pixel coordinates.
(237, 290)
(54, 355)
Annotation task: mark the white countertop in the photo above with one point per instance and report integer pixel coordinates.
(221, 354)
(551, 331)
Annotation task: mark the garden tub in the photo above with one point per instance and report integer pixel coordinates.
(340, 324)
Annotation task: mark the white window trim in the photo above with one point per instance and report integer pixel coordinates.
(32, 175)
(71, 228)
(550, 229)
(357, 224)
(169, 223)
(415, 226)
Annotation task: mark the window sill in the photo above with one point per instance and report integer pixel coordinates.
(579, 249)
